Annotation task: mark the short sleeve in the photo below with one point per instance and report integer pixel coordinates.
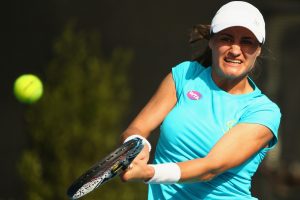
(265, 113)
(185, 71)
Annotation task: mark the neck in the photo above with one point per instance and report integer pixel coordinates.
(233, 86)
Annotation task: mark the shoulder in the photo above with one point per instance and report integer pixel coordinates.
(262, 102)
(184, 72)
(187, 69)
(261, 110)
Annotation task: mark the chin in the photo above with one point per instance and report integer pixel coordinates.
(230, 74)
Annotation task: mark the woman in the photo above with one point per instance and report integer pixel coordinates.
(216, 125)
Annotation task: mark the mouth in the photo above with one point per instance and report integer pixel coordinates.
(234, 61)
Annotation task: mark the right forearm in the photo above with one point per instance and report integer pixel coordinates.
(131, 130)
(152, 115)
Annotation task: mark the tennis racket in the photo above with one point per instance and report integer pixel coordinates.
(113, 164)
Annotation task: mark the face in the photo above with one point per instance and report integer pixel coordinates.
(234, 52)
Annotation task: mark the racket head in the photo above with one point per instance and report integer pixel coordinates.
(103, 171)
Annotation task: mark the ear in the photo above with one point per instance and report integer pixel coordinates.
(258, 51)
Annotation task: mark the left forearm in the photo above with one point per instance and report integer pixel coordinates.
(200, 169)
(233, 149)
(188, 171)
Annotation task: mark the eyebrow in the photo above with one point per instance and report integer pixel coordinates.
(244, 37)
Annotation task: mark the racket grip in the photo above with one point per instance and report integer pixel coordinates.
(145, 141)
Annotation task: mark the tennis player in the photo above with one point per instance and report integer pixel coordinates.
(216, 125)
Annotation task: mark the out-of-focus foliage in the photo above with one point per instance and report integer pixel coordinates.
(78, 120)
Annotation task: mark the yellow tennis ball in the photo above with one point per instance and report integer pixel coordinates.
(28, 88)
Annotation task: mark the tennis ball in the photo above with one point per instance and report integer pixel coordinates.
(28, 88)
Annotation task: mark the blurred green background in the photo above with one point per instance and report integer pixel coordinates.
(100, 62)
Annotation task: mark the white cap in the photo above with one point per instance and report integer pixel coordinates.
(239, 13)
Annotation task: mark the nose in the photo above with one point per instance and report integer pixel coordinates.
(235, 50)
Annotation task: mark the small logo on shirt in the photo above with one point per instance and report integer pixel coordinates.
(194, 95)
(229, 124)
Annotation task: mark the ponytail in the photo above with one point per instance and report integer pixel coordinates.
(201, 33)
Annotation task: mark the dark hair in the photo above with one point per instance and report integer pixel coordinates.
(199, 37)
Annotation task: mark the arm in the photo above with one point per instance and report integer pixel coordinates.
(155, 111)
(152, 115)
(234, 148)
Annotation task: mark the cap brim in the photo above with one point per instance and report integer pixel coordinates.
(223, 26)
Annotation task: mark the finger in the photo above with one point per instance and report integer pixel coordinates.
(130, 166)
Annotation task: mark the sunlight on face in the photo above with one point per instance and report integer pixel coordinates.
(234, 52)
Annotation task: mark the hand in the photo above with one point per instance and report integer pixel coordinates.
(138, 169)
(144, 155)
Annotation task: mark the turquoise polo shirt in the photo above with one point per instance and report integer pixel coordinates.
(202, 115)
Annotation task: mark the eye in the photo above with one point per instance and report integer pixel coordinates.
(226, 39)
(247, 42)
